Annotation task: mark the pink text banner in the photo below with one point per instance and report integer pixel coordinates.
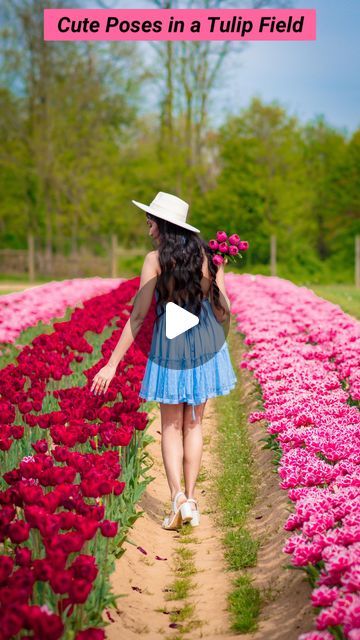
(179, 24)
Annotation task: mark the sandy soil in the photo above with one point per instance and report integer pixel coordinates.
(140, 612)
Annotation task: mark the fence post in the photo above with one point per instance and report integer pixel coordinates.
(31, 257)
(273, 255)
(357, 261)
(114, 255)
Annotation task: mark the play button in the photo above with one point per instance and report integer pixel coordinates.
(178, 320)
(165, 337)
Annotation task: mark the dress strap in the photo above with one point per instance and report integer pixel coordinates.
(193, 412)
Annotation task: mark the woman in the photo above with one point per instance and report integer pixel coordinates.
(181, 373)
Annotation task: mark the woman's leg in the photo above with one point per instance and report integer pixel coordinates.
(172, 445)
(193, 444)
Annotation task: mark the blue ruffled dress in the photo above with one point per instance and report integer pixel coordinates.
(190, 368)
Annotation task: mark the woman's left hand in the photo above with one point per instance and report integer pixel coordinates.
(102, 380)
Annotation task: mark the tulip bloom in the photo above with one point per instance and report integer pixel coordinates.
(221, 236)
(218, 260)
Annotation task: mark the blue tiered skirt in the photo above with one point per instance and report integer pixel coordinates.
(190, 368)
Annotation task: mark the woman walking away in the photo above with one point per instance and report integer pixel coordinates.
(183, 371)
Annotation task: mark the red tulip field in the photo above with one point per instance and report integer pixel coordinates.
(74, 465)
(70, 472)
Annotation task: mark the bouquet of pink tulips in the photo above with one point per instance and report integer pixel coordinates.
(227, 247)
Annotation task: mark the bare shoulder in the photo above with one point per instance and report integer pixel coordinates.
(152, 260)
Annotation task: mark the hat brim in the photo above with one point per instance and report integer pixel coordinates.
(148, 209)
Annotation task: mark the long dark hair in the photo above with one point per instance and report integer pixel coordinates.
(181, 256)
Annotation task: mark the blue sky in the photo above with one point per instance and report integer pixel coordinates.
(307, 78)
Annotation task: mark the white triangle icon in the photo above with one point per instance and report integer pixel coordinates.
(178, 320)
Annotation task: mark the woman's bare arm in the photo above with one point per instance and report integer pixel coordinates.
(220, 281)
(141, 307)
(142, 304)
(224, 300)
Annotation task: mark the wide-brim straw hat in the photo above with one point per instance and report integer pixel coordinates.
(168, 207)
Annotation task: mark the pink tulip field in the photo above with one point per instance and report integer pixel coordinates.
(305, 354)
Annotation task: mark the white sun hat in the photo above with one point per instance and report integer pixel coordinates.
(170, 208)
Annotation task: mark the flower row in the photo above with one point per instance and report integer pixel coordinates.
(24, 309)
(71, 467)
(304, 352)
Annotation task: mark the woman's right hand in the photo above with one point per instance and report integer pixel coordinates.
(102, 379)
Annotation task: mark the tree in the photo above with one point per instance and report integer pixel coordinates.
(187, 75)
(261, 188)
(76, 110)
(323, 152)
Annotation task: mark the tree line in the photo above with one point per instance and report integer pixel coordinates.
(86, 127)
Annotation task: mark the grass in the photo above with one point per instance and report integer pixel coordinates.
(348, 297)
(241, 549)
(244, 605)
(235, 494)
(234, 485)
(184, 567)
(179, 589)
(183, 618)
(4, 292)
(21, 278)
(202, 477)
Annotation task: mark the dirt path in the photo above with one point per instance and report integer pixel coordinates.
(140, 613)
(287, 613)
